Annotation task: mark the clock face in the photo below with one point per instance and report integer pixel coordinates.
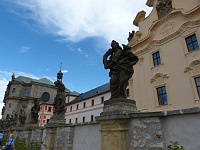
(45, 97)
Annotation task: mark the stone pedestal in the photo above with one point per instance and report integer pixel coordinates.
(114, 123)
(56, 120)
(50, 138)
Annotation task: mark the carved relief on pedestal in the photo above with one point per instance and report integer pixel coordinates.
(167, 28)
(113, 134)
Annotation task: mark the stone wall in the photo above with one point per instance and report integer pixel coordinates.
(87, 137)
(154, 130)
(146, 131)
(184, 128)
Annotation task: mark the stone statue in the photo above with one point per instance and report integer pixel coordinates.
(1, 124)
(131, 34)
(163, 7)
(15, 119)
(7, 91)
(120, 63)
(3, 110)
(13, 77)
(60, 86)
(59, 101)
(22, 117)
(7, 121)
(34, 111)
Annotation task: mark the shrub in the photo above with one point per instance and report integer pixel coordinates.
(174, 145)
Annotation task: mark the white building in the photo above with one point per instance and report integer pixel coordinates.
(87, 105)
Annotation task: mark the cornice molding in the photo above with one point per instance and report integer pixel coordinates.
(167, 38)
(157, 75)
(139, 17)
(150, 3)
(156, 23)
(192, 65)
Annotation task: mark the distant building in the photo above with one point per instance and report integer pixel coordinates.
(47, 108)
(22, 91)
(167, 76)
(87, 105)
(45, 113)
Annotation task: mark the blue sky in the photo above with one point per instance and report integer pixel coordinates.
(37, 35)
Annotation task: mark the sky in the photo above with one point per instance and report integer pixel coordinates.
(38, 37)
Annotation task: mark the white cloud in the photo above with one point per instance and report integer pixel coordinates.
(82, 52)
(75, 20)
(23, 49)
(65, 71)
(3, 85)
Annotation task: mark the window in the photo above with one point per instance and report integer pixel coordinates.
(102, 99)
(49, 109)
(13, 90)
(71, 108)
(76, 121)
(45, 97)
(84, 104)
(162, 95)
(70, 120)
(45, 108)
(197, 81)
(44, 121)
(27, 92)
(83, 118)
(92, 118)
(92, 102)
(156, 58)
(77, 106)
(127, 93)
(44, 117)
(192, 43)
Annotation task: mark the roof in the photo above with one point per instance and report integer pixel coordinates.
(94, 92)
(44, 81)
(29, 80)
(74, 93)
(23, 79)
(50, 102)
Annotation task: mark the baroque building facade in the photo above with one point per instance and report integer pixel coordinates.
(167, 76)
(21, 93)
